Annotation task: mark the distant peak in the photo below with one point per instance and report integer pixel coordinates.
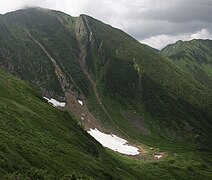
(179, 41)
(83, 15)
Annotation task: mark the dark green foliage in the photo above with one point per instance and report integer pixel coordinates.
(34, 134)
(20, 56)
(138, 78)
(40, 142)
(116, 85)
(165, 107)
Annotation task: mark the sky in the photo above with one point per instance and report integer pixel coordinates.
(153, 22)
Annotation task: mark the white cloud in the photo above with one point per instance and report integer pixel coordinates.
(203, 34)
(161, 41)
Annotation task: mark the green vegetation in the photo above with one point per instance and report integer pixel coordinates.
(27, 59)
(194, 57)
(139, 79)
(39, 141)
(20, 56)
(36, 136)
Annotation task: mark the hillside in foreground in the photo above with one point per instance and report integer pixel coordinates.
(39, 141)
(36, 137)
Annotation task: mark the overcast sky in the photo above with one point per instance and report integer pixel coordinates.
(154, 22)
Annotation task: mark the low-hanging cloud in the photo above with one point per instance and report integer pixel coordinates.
(160, 40)
(154, 22)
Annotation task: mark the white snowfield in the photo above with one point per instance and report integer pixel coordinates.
(113, 142)
(80, 102)
(55, 103)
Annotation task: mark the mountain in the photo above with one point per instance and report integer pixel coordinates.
(194, 57)
(127, 88)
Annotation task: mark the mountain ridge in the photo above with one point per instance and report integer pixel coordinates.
(194, 57)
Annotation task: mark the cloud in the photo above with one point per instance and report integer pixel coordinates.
(142, 19)
(161, 41)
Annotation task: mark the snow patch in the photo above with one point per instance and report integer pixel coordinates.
(80, 102)
(55, 103)
(113, 142)
(158, 156)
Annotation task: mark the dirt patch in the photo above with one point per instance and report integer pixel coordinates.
(81, 112)
(143, 154)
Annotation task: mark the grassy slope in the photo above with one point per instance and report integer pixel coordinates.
(39, 141)
(36, 137)
(194, 57)
(166, 98)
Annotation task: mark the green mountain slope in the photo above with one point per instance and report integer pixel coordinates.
(138, 79)
(36, 136)
(194, 57)
(39, 141)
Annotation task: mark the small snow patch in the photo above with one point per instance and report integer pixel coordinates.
(55, 103)
(82, 118)
(113, 142)
(80, 102)
(158, 156)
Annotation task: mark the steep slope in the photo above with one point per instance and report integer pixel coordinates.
(40, 142)
(130, 89)
(30, 64)
(195, 57)
(35, 135)
(132, 78)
